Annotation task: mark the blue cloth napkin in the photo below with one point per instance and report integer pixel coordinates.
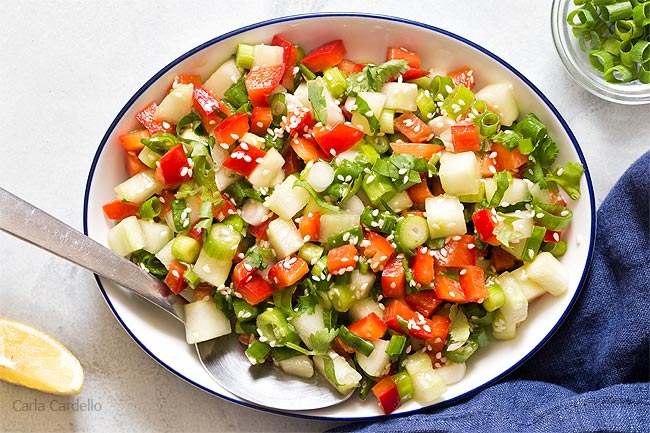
(592, 375)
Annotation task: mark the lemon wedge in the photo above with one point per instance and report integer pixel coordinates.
(31, 358)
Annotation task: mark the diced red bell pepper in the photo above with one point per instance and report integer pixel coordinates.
(325, 56)
(197, 232)
(393, 281)
(146, 118)
(484, 223)
(395, 53)
(132, 142)
(225, 209)
(166, 197)
(309, 226)
(447, 288)
(349, 67)
(337, 139)
(552, 236)
(133, 164)
(290, 59)
(261, 119)
(422, 266)
(424, 302)
(202, 291)
(501, 260)
(261, 80)
(244, 159)
(465, 138)
(457, 252)
(231, 129)
(386, 392)
(288, 271)
(207, 106)
(292, 164)
(259, 231)
(413, 128)
(175, 277)
(242, 272)
(118, 210)
(370, 327)
(413, 74)
(341, 259)
(557, 198)
(395, 312)
(193, 79)
(308, 150)
(255, 290)
(297, 121)
(472, 281)
(464, 76)
(488, 165)
(173, 167)
(423, 150)
(439, 327)
(376, 249)
(419, 192)
(508, 160)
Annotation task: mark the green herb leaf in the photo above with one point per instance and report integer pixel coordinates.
(568, 178)
(315, 92)
(372, 78)
(321, 340)
(364, 109)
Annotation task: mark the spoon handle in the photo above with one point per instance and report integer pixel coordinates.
(30, 224)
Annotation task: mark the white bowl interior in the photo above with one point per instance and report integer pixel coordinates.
(366, 39)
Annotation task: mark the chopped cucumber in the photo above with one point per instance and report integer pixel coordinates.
(225, 76)
(286, 199)
(460, 173)
(500, 98)
(204, 321)
(377, 364)
(284, 237)
(400, 96)
(268, 173)
(126, 237)
(347, 377)
(156, 235)
(333, 224)
(139, 188)
(176, 105)
(299, 365)
(269, 55)
(445, 216)
(427, 384)
(549, 273)
(212, 270)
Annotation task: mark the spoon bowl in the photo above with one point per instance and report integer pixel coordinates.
(223, 358)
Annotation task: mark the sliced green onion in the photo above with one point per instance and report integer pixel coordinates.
(601, 60)
(352, 236)
(481, 336)
(503, 180)
(496, 297)
(396, 346)
(310, 252)
(376, 220)
(308, 74)
(488, 123)
(284, 353)
(581, 19)
(150, 263)
(380, 143)
(463, 353)
(315, 94)
(627, 30)
(404, 385)
(245, 56)
(222, 242)
(258, 352)
(616, 11)
(236, 222)
(411, 232)
(278, 104)
(335, 81)
(243, 310)
(641, 51)
(426, 104)
(237, 94)
(272, 326)
(356, 342)
(558, 249)
(477, 315)
(589, 41)
(457, 102)
(150, 208)
(612, 46)
(644, 72)
(387, 121)
(191, 278)
(186, 248)
(378, 188)
(625, 53)
(619, 74)
(441, 86)
(641, 14)
(531, 127)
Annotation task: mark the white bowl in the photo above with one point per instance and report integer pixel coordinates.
(367, 38)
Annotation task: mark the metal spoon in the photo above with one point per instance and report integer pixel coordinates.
(223, 358)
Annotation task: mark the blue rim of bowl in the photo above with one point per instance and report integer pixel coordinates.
(291, 18)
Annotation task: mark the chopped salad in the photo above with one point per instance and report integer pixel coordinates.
(375, 223)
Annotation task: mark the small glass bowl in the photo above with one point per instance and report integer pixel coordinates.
(577, 63)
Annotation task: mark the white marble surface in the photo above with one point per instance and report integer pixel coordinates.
(66, 69)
